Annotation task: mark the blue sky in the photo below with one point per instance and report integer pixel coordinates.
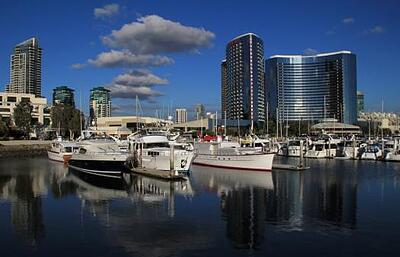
(179, 65)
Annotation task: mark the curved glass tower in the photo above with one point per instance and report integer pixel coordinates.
(243, 87)
(315, 88)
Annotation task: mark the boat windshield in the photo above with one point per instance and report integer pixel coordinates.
(319, 147)
(156, 145)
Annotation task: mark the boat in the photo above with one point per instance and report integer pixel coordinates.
(326, 147)
(153, 152)
(348, 149)
(100, 157)
(370, 152)
(61, 151)
(241, 158)
(394, 154)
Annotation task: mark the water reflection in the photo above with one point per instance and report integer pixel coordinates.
(148, 217)
(289, 201)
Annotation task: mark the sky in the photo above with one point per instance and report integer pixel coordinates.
(169, 52)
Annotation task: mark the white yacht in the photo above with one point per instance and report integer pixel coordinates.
(99, 156)
(215, 154)
(323, 148)
(394, 154)
(370, 152)
(348, 149)
(61, 151)
(154, 152)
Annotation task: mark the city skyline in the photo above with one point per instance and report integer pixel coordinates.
(94, 53)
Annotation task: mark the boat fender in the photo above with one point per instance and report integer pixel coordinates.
(183, 163)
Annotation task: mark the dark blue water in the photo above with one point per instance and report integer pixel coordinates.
(337, 208)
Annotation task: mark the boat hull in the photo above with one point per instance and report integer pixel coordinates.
(256, 162)
(59, 157)
(105, 168)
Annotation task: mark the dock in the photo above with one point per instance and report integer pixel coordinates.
(278, 166)
(159, 174)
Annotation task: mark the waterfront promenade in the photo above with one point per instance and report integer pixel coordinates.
(23, 148)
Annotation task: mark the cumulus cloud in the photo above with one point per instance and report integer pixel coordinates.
(106, 11)
(310, 51)
(136, 83)
(125, 58)
(153, 34)
(139, 78)
(78, 66)
(348, 20)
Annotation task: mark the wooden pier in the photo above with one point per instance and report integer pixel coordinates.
(159, 174)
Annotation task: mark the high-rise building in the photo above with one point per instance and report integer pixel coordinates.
(100, 103)
(360, 102)
(26, 68)
(224, 90)
(180, 115)
(63, 95)
(313, 88)
(200, 112)
(244, 92)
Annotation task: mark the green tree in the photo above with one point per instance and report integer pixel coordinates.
(23, 116)
(66, 119)
(3, 128)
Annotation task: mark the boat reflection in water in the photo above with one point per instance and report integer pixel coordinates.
(252, 202)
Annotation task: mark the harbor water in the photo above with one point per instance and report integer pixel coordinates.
(336, 208)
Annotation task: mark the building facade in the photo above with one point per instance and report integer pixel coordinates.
(360, 102)
(63, 95)
(313, 88)
(40, 111)
(180, 115)
(99, 104)
(200, 112)
(224, 89)
(26, 68)
(242, 82)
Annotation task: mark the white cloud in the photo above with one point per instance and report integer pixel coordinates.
(348, 20)
(125, 58)
(139, 78)
(153, 35)
(106, 11)
(136, 83)
(78, 66)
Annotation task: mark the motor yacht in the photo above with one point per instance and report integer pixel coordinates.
(154, 152)
(370, 152)
(99, 156)
(215, 154)
(61, 151)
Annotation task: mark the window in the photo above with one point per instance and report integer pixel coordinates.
(4, 110)
(12, 99)
(26, 99)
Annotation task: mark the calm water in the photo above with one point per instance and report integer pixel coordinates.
(337, 208)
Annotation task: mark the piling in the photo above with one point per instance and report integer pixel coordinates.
(172, 160)
(301, 162)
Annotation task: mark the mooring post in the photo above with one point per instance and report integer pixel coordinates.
(172, 160)
(301, 164)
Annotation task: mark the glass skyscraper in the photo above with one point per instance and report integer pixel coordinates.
(26, 68)
(242, 79)
(360, 102)
(100, 103)
(63, 95)
(313, 88)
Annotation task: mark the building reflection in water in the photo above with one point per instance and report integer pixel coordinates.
(253, 201)
(23, 187)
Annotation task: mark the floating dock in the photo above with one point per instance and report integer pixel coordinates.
(160, 174)
(278, 166)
